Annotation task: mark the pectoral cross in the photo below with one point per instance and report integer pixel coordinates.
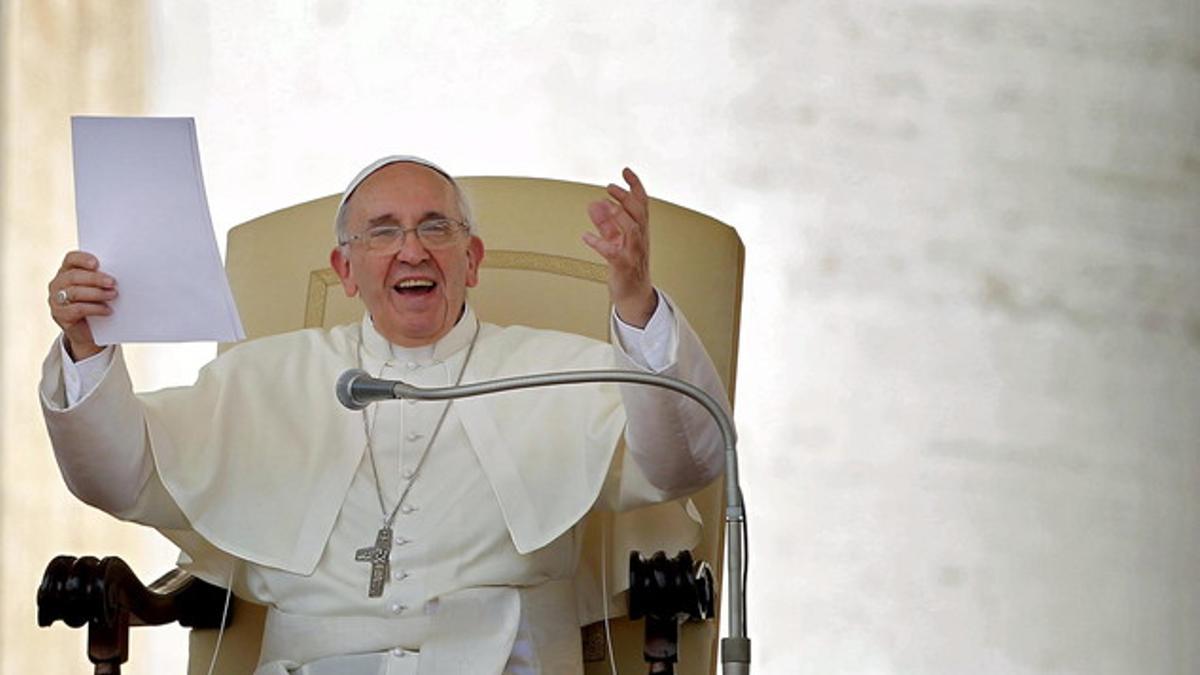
(377, 555)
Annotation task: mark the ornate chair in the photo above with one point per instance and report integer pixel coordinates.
(536, 272)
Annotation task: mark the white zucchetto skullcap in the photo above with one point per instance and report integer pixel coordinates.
(384, 161)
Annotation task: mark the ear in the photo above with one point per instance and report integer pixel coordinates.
(340, 262)
(474, 260)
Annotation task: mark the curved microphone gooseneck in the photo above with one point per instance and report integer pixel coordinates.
(356, 389)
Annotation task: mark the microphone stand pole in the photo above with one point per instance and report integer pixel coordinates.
(356, 389)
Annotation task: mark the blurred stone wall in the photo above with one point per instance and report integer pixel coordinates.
(990, 295)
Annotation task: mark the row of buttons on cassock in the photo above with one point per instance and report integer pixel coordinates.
(407, 473)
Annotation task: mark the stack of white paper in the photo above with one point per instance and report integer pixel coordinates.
(142, 210)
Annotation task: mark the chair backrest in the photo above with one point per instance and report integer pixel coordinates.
(535, 272)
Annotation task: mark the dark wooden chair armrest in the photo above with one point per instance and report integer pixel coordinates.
(109, 598)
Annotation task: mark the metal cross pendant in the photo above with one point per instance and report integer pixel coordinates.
(377, 555)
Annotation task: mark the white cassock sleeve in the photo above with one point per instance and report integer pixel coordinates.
(106, 470)
(110, 469)
(672, 445)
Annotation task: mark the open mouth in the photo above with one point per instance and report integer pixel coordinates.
(415, 287)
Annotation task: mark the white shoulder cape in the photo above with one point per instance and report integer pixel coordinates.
(259, 454)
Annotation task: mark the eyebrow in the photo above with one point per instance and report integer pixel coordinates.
(391, 219)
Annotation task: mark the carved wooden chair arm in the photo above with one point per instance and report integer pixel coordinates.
(109, 598)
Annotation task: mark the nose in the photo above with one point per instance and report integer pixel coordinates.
(412, 251)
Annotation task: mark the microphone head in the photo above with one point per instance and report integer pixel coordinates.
(344, 384)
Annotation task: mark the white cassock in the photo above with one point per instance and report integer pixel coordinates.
(258, 463)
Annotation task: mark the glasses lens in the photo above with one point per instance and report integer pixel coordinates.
(437, 233)
(384, 238)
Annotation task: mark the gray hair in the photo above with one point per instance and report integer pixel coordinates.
(463, 201)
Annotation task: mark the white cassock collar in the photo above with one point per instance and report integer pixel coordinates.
(377, 349)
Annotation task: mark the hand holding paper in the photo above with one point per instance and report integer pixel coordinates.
(78, 291)
(142, 212)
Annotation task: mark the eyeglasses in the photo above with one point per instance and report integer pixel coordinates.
(388, 239)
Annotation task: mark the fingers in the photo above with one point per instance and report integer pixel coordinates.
(72, 319)
(622, 238)
(69, 304)
(621, 224)
(600, 212)
(74, 286)
(78, 291)
(79, 260)
(606, 248)
(80, 268)
(609, 235)
(635, 201)
(635, 207)
(635, 184)
(70, 315)
(81, 294)
(627, 216)
(81, 277)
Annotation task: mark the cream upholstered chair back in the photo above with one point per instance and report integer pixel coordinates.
(535, 272)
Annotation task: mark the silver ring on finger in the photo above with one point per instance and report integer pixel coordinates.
(62, 297)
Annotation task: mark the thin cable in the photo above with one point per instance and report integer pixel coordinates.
(612, 660)
(224, 615)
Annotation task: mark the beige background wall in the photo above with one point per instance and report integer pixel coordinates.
(57, 59)
(971, 350)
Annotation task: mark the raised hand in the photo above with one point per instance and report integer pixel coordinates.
(78, 291)
(622, 238)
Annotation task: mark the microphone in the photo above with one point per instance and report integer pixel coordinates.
(356, 389)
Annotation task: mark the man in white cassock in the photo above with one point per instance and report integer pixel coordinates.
(411, 537)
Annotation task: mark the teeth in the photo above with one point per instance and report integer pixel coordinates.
(415, 283)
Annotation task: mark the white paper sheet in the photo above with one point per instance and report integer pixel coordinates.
(141, 209)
